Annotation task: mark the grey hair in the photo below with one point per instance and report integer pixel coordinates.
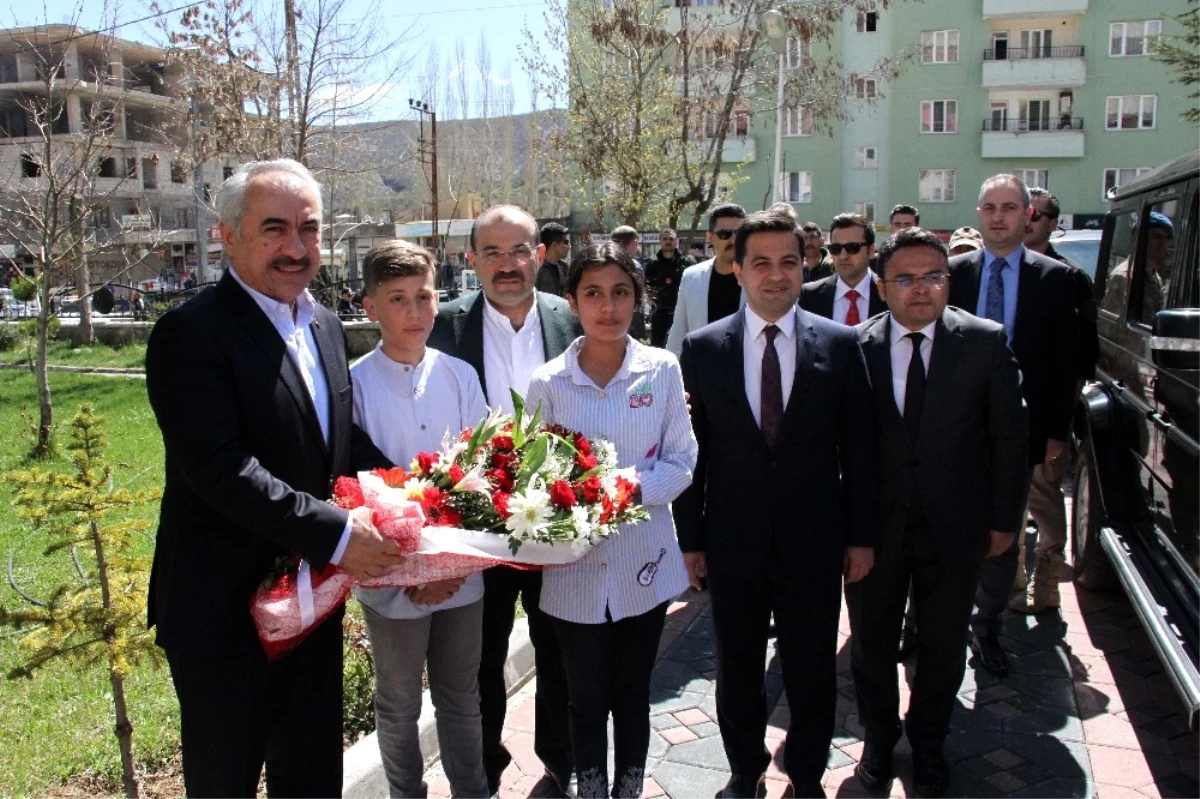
(996, 180)
(231, 197)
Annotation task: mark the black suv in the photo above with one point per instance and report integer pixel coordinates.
(1137, 489)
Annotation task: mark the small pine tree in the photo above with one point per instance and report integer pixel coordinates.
(99, 618)
(1182, 54)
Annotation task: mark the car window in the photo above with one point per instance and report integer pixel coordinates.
(1116, 286)
(1081, 251)
(1184, 288)
(1156, 259)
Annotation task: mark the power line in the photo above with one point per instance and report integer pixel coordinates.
(117, 25)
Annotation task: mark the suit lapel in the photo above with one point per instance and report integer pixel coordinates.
(1027, 299)
(735, 366)
(337, 377)
(964, 282)
(825, 298)
(942, 358)
(878, 352)
(805, 355)
(556, 336)
(264, 334)
(468, 333)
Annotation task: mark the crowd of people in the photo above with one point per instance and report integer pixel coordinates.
(817, 413)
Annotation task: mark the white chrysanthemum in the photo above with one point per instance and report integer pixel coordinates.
(605, 453)
(580, 519)
(415, 487)
(530, 511)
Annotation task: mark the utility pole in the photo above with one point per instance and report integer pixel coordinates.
(429, 153)
(293, 80)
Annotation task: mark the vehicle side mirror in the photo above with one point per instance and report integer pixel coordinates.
(1175, 343)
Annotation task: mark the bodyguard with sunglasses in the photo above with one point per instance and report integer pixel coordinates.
(709, 290)
(848, 296)
(952, 440)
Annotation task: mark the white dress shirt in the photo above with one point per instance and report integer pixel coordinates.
(405, 410)
(754, 344)
(642, 413)
(901, 352)
(293, 328)
(510, 356)
(841, 303)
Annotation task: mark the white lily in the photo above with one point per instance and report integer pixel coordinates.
(473, 481)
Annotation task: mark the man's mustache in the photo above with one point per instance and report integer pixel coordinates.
(287, 260)
(511, 275)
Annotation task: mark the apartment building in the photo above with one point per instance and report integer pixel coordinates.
(1060, 92)
(143, 200)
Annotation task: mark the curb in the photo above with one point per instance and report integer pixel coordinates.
(362, 769)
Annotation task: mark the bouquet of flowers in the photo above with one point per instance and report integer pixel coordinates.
(511, 490)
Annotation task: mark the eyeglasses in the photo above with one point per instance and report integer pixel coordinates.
(522, 255)
(852, 247)
(1037, 216)
(724, 235)
(934, 280)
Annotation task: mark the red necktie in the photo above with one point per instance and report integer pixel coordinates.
(852, 317)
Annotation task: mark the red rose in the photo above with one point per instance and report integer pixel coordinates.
(347, 493)
(502, 443)
(582, 445)
(395, 477)
(591, 489)
(500, 503)
(502, 460)
(456, 474)
(500, 479)
(561, 495)
(586, 462)
(426, 461)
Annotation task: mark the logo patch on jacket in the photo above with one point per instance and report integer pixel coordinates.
(641, 397)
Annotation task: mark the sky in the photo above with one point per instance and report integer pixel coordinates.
(444, 22)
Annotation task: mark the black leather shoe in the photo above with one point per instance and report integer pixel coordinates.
(987, 648)
(551, 786)
(741, 787)
(930, 775)
(875, 768)
(908, 643)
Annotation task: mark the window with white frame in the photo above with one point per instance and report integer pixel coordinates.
(796, 52)
(865, 158)
(939, 47)
(796, 122)
(795, 187)
(1034, 178)
(865, 209)
(939, 116)
(1120, 176)
(1131, 112)
(1134, 37)
(937, 185)
(866, 21)
(866, 88)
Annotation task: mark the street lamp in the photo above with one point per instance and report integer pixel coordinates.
(774, 26)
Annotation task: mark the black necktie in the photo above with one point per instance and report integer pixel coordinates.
(771, 407)
(914, 388)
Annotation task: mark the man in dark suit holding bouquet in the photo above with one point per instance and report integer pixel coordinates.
(780, 398)
(250, 387)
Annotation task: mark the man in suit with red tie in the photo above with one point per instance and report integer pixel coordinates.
(952, 435)
(780, 398)
(848, 296)
(1034, 297)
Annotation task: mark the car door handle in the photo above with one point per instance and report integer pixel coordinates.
(1161, 420)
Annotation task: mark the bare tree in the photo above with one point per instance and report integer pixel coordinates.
(68, 170)
(654, 94)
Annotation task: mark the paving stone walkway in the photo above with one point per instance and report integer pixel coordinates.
(1087, 710)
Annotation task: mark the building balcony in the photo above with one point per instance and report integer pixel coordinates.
(1032, 138)
(1017, 67)
(1033, 8)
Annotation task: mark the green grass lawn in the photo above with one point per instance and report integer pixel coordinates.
(62, 353)
(59, 724)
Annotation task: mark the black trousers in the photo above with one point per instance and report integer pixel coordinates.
(608, 671)
(237, 711)
(551, 738)
(806, 610)
(660, 326)
(943, 587)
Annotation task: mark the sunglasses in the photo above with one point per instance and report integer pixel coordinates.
(852, 247)
(1037, 216)
(724, 235)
